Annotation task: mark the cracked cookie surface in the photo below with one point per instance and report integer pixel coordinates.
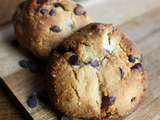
(41, 25)
(96, 73)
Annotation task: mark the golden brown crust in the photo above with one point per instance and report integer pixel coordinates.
(98, 74)
(41, 25)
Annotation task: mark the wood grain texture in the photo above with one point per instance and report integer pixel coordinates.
(144, 30)
(24, 85)
(8, 110)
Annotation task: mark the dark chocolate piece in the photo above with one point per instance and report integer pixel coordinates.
(44, 11)
(79, 10)
(131, 58)
(32, 101)
(24, 63)
(52, 12)
(95, 63)
(74, 60)
(59, 5)
(108, 100)
(55, 28)
(41, 1)
(138, 66)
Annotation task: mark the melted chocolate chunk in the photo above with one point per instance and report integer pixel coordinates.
(59, 5)
(32, 101)
(66, 118)
(108, 100)
(52, 12)
(74, 60)
(41, 1)
(79, 10)
(138, 67)
(55, 28)
(131, 58)
(121, 73)
(95, 63)
(44, 11)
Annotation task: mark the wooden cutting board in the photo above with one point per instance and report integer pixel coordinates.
(21, 83)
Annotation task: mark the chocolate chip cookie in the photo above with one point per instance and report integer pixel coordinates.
(41, 25)
(96, 73)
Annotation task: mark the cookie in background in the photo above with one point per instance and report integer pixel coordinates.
(41, 25)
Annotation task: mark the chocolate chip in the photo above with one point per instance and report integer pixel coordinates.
(131, 58)
(94, 63)
(52, 12)
(65, 118)
(59, 5)
(138, 67)
(41, 1)
(79, 10)
(32, 101)
(24, 63)
(121, 73)
(133, 99)
(44, 11)
(55, 28)
(32, 65)
(74, 60)
(108, 100)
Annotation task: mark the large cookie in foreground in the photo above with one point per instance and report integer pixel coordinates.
(41, 25)
(96, 73)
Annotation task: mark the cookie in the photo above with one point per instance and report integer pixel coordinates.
(41, 25)
(96, 73)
